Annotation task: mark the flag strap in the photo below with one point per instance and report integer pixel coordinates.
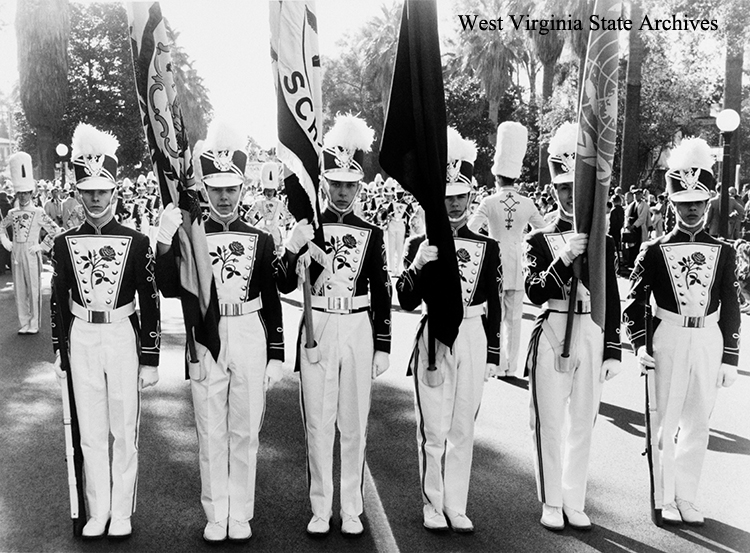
(313, 354)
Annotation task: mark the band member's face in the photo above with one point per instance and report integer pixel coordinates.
(23, 198)
(690, 213)
(224, 198)
(269, 193)
(342, 193)
(96, 201)
(456, 205)
(564, 193)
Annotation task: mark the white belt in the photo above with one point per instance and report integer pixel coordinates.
(561, 306)
(471, 311)
(102, 317)
(237, 309)
(687, 322)
(340, 304)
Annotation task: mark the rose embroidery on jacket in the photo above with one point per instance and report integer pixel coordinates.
(463, 258)
(340, 250)
(228, 256)
(97, 262)
(690, 266)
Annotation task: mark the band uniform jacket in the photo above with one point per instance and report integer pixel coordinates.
(481, 281)
(357, 253)
(691, 275)
(548, 278)
(101, 270)
(244, 268)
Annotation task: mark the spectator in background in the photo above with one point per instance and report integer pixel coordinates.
(616, 222)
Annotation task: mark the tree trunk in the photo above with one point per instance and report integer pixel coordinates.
(46, 152)
(629, 168)
(733, 93)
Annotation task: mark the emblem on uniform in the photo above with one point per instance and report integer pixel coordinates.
(689, 266)
(223, 160)
(228, 255)
(93, 165)
(464, 258)
(339, 246)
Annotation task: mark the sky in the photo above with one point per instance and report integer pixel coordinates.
(228, 41)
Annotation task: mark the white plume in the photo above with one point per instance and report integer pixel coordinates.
(565, 140)
(460, 148)
(222, 135)
(351, 133)
(692, 152)
(88, 140)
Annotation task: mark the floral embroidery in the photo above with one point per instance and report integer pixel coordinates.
(690, 267)
(340, 250)
(463, 258)
(97, 262)
(228, 257)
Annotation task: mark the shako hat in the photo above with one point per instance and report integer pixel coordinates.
(269, 175)
(223, 158)
(562, 153)
(20, 172)
(461, 156)
(690, 178)
(344, 148)
(510, 149)
(93, 158)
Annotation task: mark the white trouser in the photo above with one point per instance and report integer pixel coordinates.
(511, 330)
(446, 415)
(104, 365)
(27, 284)
(336, 392)
(229, 405)
(687, 366)
(395, 246)
(563, 409)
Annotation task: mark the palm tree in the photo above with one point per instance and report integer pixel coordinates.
(42, 30)
(378, 49)
(629, 153)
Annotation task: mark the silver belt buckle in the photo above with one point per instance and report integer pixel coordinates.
(693, 322)
(98, 317)
(339, 304)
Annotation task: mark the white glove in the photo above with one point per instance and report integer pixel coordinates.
(425, 254)
(727, 376)
(57, 366)
(148, 375)
(7, 244)
(36, 248)
(575, 246)
(610, 369)
(171, 220)
(380, 363)
(645, 359)
(274, 373)
(301, 234)
(490, 370)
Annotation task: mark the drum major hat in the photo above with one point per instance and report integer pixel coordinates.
(461, 156)
(344, 148)
(93, 158)
(269, 175)
(690, 177)
(21, 174)
(562, 153)
(512, 138)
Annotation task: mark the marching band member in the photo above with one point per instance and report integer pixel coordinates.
(351, 322)
(446, 412)
(697, 327)
(269, 209)
(395, 224)
(505, 216)
(229, 393)
(111, 351)
(27, 221)
(565, 396)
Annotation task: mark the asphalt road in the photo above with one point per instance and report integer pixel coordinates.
(34, 512)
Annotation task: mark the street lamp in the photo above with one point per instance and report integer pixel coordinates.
(61, 150)
(727, 121)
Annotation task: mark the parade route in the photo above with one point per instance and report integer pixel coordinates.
(34, 513)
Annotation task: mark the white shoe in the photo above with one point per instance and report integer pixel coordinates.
(577, 519)
(433, 520)
(239, 530)
(215, 531)
(552, 517)
(351, 525)
(689, 513)
(459, 521)
(25, 330)
(318, 526)
(120, 528)
(670, 514)
(500, 373)
(33, 330)
(95, 528)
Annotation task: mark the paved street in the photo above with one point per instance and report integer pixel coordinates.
(33, 483)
